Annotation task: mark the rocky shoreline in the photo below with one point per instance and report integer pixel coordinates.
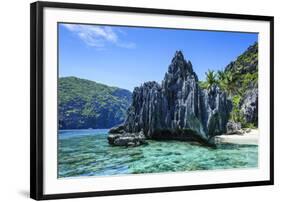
(118, 137)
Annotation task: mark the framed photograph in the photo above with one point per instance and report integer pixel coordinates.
(131, 100)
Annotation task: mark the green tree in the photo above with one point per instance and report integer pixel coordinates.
(211, 79)
(221, 75)
(229, 84)
(236, 114)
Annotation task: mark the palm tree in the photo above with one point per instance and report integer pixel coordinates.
(229, 83)
(211, 78)
(221, 79)
(221, 75)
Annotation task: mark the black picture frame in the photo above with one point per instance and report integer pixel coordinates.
(36, 98)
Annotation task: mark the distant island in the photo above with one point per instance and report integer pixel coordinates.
(85, 104)
(184, 108)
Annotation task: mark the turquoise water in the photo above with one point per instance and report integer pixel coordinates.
(87, 153)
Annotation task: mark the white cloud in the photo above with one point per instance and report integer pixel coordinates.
(98, 36)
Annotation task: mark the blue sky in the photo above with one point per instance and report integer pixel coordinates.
(128, 56)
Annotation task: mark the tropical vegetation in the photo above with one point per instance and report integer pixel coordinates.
(239, 77)
(87, 104)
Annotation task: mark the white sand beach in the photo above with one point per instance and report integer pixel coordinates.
(250, 138)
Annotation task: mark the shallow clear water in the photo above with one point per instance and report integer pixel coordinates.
(87, 153)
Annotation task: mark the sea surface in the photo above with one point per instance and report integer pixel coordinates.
(87, 153)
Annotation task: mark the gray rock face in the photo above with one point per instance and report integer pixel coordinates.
(215, 110)
(117, 136)
(147, 110)
(249, 106)
(233, 128)
(178, 108)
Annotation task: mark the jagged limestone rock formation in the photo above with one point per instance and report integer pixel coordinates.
(215, 110)
(249, 106)
(176, 109)
(233, 128)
